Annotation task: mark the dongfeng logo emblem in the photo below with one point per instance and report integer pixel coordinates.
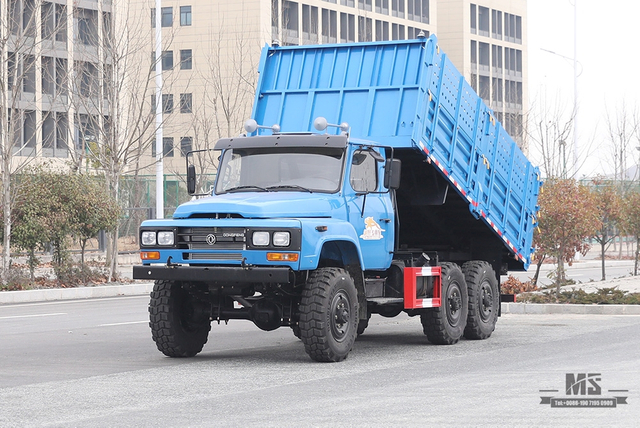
(211, 239)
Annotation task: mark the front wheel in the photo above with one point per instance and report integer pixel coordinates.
(329, 314)
(445, 325)
(179, 322)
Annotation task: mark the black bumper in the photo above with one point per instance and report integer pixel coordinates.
(213, 274)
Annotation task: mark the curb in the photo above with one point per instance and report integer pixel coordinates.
(556, 308)
(51, 294)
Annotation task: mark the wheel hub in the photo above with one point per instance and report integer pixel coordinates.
(340, 315)
(486, 300)
(454, 300)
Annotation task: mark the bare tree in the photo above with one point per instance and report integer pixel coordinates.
(113, 98)
(550, 131)
(622, 129)
(227, 76)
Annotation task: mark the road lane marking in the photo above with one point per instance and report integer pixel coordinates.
(123, 323)
(63, 302)
(32, 316)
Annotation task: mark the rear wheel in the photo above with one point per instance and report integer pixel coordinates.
(484, 299)
(179, 322)
(445, 325)
(329, 314)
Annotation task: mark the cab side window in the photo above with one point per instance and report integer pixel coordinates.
(364, 172)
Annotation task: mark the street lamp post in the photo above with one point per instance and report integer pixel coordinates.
(563, 153)
(575, 62)
(159, 148)
(638, 164)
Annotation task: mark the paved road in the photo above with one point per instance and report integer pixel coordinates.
(92, 363)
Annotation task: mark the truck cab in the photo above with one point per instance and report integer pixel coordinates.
(282, 206)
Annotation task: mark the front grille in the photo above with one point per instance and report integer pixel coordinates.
(211, 238)
(213, 256)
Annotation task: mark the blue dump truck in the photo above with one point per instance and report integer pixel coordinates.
(371, 180)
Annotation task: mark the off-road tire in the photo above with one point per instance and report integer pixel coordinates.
(445, 325)
(329, 314)
(177, 328)
(484, 299)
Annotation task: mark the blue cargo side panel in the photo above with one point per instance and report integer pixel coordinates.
(371, 86)
(459, 134)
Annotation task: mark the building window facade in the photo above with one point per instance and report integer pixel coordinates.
(329, 26)
(382, 6)
(290, 27)
(418, 10)
(185, 16)
(186, 59)
(365, 29)
(166, 17)
(186, 145)
(309, 24)
(186, 103)
(397, 32)
(397, 8)
(365, 5)
(347, 28)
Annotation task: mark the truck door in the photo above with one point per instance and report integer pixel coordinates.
(370, 208)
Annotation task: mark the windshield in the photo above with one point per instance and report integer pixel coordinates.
(302, 169)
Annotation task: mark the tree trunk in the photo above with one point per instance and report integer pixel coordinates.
(534, 280)
(83, 244)
(560, 277)
(620, 252)
(635, 264)
(113, 259)
(602, 249)
(6, 204)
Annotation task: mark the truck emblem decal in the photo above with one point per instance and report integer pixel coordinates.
(211, 239)
(372, 230)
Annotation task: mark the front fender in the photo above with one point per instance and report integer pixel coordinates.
(314, 237)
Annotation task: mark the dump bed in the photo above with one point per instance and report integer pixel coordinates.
(408, 94)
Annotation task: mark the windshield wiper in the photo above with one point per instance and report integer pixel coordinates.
(237, 188)
(289, 186)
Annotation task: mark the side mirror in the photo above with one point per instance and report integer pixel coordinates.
(191, 179)
(392, 173)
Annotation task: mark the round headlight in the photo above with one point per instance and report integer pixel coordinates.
(165, 238)
(260, 238)
(148, 238)
(281, 239)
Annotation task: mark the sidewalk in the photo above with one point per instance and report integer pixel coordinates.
(49, 294)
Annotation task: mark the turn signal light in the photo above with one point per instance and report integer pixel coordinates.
(150, 255)
(282, 257)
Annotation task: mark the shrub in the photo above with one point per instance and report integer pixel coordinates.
(70, 275)
(514, 286)
(604, 296)
(16, 279)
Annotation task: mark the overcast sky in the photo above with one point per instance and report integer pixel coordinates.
(609, 55)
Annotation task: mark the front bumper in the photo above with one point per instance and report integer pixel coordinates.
(214, 274)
